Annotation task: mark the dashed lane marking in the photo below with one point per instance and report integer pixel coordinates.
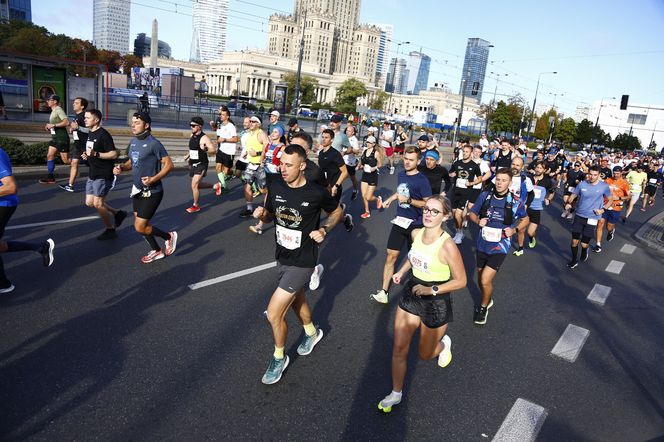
(570, 343)
(615, 267)
(598, 294)
(522, 423)
(628, 249)
(238, 274)
(48, 223)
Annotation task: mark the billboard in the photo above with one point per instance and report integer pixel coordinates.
(47, 81)
(280, 94)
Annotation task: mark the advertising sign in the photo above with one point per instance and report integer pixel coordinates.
(280, 94)
(47, 81)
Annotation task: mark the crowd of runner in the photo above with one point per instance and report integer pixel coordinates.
(499, 186)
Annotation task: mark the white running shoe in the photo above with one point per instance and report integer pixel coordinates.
(380, 296)
(445, 356)
(314, 280)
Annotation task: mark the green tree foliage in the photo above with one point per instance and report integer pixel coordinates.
(626, 142)
(565, 131)
(379, 100)
(542, 127)
(308, 87)
(584, 132)
(500, 119)
(348, 93)
(515, 107)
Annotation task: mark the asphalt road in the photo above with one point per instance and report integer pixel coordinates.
(102, 347)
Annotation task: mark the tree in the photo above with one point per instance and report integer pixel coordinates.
(308, 87)
(626, 142)
(584, 132)
(565, 131)
(515, 106)
(543, 126)
(348, 93)
(500, 119)
(379, 100)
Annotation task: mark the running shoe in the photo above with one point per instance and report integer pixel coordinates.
(573, 264)
(597, 248)
(66, 187)
(532, 243)
(390, 400)
(217, 188)
(119, 216)
(246, 213)
(275, 370)
(348, 222)
(651, 203)
(458, 237)
(343, 207)
(518, 252)
(379, 202)
(610, 235)
(47, 252)
(445, 356)
(316, 275)
(564, 214)
(365, 215)
(570, 215)
(464, 224)
(9, 288)
(309, 342)
(153, 255)
(47, 180)
(115, 180)
(107, 234)
(353, 196)
(380, 296)
(584, 255)
(257, 230)
(482, 313)
(193, 209)
(222, 180)
(171, 243)
(391, 170)
(642, 209)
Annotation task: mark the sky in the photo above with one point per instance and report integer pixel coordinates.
(599, 48)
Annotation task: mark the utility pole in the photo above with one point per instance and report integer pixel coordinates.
(296, 99)
(458, 124)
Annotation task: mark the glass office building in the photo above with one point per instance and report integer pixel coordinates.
(474, 68)
(15, 10)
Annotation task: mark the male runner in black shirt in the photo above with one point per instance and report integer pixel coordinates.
(80, 135)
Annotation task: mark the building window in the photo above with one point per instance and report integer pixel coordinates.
(636, 119)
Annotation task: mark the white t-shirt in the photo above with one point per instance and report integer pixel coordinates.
(227, 131)
(484, 168)
(243, 143)
(351, 159)
(389, 134)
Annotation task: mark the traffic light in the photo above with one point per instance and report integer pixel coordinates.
(623, 102)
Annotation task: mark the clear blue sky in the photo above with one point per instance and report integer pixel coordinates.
(599, 48)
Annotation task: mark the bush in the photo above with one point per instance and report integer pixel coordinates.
(24, 154)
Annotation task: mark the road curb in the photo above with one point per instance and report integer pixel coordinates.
(651, 233)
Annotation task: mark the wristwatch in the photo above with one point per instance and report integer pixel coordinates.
(434, 289)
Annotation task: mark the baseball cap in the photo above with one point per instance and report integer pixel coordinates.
(255, 119)
(143, 116)
(54, 97)
(275, 113)
(197, 120)
(373, 129)
(423, 138)
(371, 139)
(336, 118)
(617, 169)
(292, 121)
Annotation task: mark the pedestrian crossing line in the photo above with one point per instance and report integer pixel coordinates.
(628, 249)
(49, 223)
(598, 294)
(615, 267)
(238, 274)
(522, 423)
(570, 343)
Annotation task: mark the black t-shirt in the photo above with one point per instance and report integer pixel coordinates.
(465, 172)
(330, 163)
(197, 155)
(296, 215)
(435, 176)
(503, 160)
(100, 141)
(82, 136)
(653, 175)
(314, 174)
(551, 166)
(574, 177)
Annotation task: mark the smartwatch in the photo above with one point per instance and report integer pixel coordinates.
(434, 289)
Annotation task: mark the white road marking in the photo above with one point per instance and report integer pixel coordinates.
(615, 267)
(57, 221)
(522, 423)
(570, 343)
(233, 275)
(598, 294)
(628, 249)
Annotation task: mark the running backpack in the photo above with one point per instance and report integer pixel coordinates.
(509, 207)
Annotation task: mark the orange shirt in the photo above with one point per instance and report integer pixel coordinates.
(619, 189)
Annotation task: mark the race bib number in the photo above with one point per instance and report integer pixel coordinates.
(288, 238)
(367, 168)
(537, 192)
(252, 166)
(52, 131)
(193, 155)
(402, 222)
(492, 234)
(652, 180)
(461, 183)
(75, 135)
(592, 222)
(419, 261)
(134, 191)
(88, 147)
(570, 189)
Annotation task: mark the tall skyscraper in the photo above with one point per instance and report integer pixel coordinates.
(333, 38)
(110, 25)
(419, 65)
(397, 76)
(474, 68)
(15, 10)
(142, 44)
(208, 40)
(383, 59)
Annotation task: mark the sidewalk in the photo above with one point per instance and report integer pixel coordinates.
(651, 233)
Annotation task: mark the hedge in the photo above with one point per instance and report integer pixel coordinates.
(23, 154)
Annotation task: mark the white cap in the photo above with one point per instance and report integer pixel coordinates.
(275, 113)
(371, 139)
(373, 129)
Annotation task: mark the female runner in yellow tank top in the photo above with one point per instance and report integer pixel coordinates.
(437, 270)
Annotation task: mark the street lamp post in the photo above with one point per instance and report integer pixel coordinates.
(599, 111)
(532, 114)
(486, 128)
(389, 102)
(553, 106)
(463, 96)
